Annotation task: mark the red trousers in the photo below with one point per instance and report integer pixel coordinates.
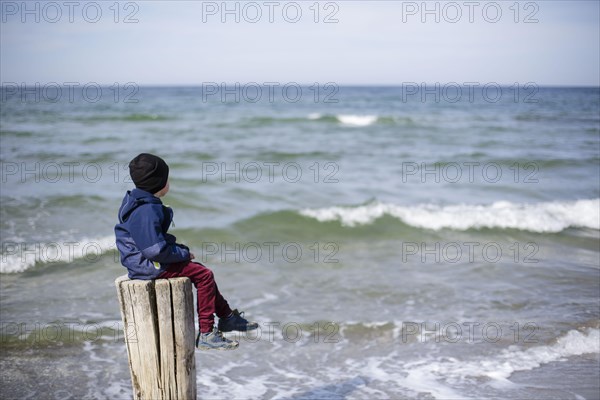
(210, 300)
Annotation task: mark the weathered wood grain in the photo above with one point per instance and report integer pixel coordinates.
(158, 320)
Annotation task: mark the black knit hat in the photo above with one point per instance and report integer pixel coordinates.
(149, 172)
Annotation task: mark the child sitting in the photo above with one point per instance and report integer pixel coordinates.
(149, 252)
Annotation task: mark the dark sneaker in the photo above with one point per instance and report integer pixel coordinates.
(214, 341)
(236, 322)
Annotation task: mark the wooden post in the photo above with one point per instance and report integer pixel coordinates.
(158, 325)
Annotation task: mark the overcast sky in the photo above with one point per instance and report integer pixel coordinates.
(365, 42)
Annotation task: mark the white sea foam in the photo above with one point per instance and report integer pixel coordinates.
(348, 119)
(537, 217)
(216, 383)
(357, 120)
(19, 256)
(500, 367)
(265, 298)
(377, 376)
(442, 377)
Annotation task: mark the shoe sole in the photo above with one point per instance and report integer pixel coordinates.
(217, 348)
(235, 330)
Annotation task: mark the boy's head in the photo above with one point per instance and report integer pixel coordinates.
(149, 173)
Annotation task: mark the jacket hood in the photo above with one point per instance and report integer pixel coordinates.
(133, 199)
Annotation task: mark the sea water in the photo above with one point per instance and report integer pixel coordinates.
(390, 246)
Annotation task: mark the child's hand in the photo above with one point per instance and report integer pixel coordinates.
(192, 256)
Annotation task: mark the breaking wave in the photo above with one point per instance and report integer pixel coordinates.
(537, 217)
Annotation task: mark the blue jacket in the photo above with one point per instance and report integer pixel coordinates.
(142, 239)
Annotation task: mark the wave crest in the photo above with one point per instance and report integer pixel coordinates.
(18, 256)
(538, 217)
(346, 119)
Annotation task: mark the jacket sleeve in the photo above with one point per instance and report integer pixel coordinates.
(146, 232)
